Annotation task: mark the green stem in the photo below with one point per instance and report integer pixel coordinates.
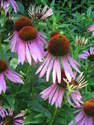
(53, 118)
(32, 82)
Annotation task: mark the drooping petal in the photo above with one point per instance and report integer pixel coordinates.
(67, 69)
(28, 56)
(73, 63)
(49, 70)
(54, 72)
(58, 70)
(2, 84)
(21, 52)
(78, 118)
(15, 7)
(13, 76)
(82, 56)
(60, 98)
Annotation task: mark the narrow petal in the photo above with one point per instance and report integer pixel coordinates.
(13, 76)
(49, 70)
(21, 52)
(60, 98)
(2, 84)
(74, 64)
(44, 70)
(28, 56)
(15, 7)
(55, 97)
(58, 71)
(67, 69)
(54, 72)
(83, 56)
(78, 118)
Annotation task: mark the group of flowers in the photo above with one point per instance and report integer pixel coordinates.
(56, 61)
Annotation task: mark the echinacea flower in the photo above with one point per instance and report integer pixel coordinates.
(58, 56)
(8, 118)
(5, 5)
(91, 29)
(55, 92)
(11, 75)
(27, 42)
(81, 41)
(86, 114)
(38, 13)
(88, 54)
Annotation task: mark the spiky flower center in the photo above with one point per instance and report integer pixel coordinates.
(91, 57)
(63, 84)
(38, 15)
(3, 66)
(21, 22)
(28, 33)
(8, 120)
(59, 45)
(88, 107)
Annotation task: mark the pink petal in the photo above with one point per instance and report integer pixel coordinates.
(58, 70)
(21, 52)
(49, 70)
(13, 76)
(2, 84)
(28, 56)
(91, 28)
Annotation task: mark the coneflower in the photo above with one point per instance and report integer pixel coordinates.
(38, 13)
(11, 75)
(55, 92)
(58, 56)
(81, 41)
(8, 118)
(5, 5)
(27, 42)
(85, 115)
(88, 54)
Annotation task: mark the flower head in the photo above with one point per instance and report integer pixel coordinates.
(5, 5)
(85, 116)
(81, 41)
(27, 42)
(58, 56)
(38, 13)
(91, 29)
(11, 75)
(88, 54)
(55, 92)
(8, 118)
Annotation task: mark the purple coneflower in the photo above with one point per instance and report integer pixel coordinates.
(88, 54)
(38, 13)
(11, 75)
(27, 42)
(5, 5)
(91, 29)
(55, 92)
(81, 41)
(8, 118)
(58, 56)
(86, 114)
